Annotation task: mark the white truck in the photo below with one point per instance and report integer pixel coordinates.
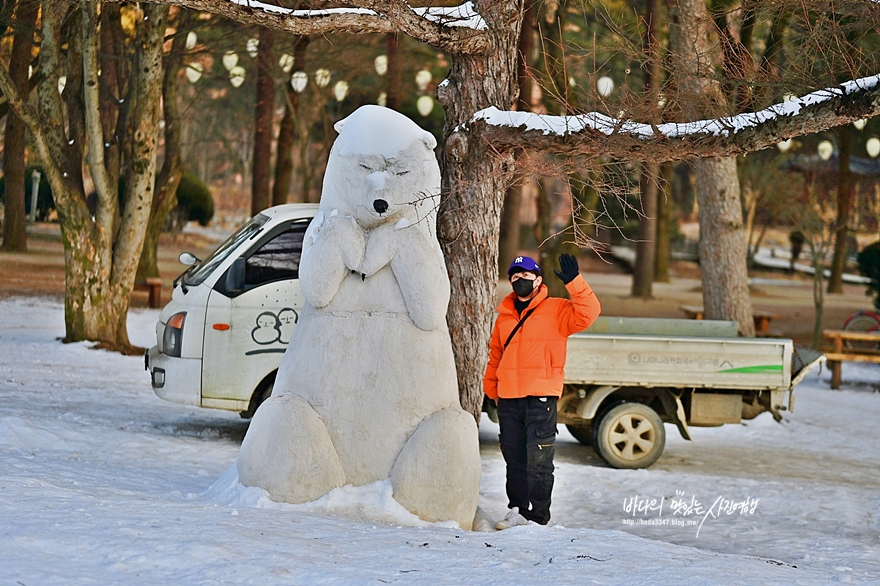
(221, 338)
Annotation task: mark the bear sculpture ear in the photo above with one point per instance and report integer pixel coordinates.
(428, 139)
(338, 126)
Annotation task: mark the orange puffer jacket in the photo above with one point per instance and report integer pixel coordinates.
(533, 363)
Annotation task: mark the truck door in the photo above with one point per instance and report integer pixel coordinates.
(247, 331)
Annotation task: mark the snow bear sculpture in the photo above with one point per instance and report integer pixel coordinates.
(367, 388)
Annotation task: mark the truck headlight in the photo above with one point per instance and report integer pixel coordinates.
(172, 339)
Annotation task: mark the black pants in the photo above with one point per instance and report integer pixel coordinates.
(528, 442)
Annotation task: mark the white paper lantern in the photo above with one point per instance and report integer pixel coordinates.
(236, 76)
(860, 124)
(340, 90)
(423, 78)
(425, 105)
(191, 40)
(789, 97)
(873, 146)
(322, 77)
(784, 145)
(381, 64)
(252, 46)
(62, 82)
(825, 149)
(605, 85)
(230, 60)
(194, 72)
(382, 100)
(286, 63)
(299, 80)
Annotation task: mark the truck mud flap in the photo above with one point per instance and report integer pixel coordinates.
(803, 360)
(672, 404)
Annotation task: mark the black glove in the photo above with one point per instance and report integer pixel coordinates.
(569, 268)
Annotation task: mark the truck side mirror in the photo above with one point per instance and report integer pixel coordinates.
(235, 277)
(187, 258)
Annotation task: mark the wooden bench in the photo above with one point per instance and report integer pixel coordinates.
(839, 354)
(762, 318)
(154, 287)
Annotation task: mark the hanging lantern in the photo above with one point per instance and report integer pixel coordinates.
(873, 147)
(252, 46)
(62, 83)
(298, 81)
(784, 145)
(236, 76)
(382, 100)
(425, 105)
(605, 85)
(825, 149)
(423, 78)
(322, 77)
(194, 72)
(230, 60)
(860, 124)
(340, 90)
(286, 63)
(191, 40)
(381, 64)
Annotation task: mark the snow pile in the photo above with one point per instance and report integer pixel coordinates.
(565, 125)
(104, 483)
(462, 16)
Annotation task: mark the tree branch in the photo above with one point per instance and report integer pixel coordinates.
(108, 200)
(457, 29)
(596, 134)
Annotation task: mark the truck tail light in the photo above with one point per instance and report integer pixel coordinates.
(173, 337)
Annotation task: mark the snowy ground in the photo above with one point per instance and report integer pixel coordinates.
(103, 483)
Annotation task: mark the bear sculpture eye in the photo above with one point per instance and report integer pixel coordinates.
(402, 173)
(367, 167)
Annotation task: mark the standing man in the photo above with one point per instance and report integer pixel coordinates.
(525, 377)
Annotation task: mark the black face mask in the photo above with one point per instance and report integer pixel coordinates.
(523, 287)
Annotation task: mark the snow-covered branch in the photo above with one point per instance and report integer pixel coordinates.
(595, 133)
(455, 29)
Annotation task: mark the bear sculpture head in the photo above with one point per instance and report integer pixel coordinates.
(382, 169)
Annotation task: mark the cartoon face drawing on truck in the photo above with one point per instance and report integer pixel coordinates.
(287, 318)
(268, 329)
(272, 327)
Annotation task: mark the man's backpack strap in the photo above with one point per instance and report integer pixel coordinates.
(518, 326)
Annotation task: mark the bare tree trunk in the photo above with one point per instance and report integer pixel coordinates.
(287, 134)
(475, 181)
(140, 184)
(844, 209)
(261, 197)
(664, 220)
(394, 75)
(509, 240)
(14, 235)
(171, 172)
(723, 244)
(643, 270)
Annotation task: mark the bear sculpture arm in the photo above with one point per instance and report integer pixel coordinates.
(336, 248)
(418, 267)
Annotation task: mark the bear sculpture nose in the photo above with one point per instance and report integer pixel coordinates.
(380, 205)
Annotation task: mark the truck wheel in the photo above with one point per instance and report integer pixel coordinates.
(580, 432)
(630, 435)
(267, 392)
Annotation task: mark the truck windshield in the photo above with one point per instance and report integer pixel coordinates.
(246, 232)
